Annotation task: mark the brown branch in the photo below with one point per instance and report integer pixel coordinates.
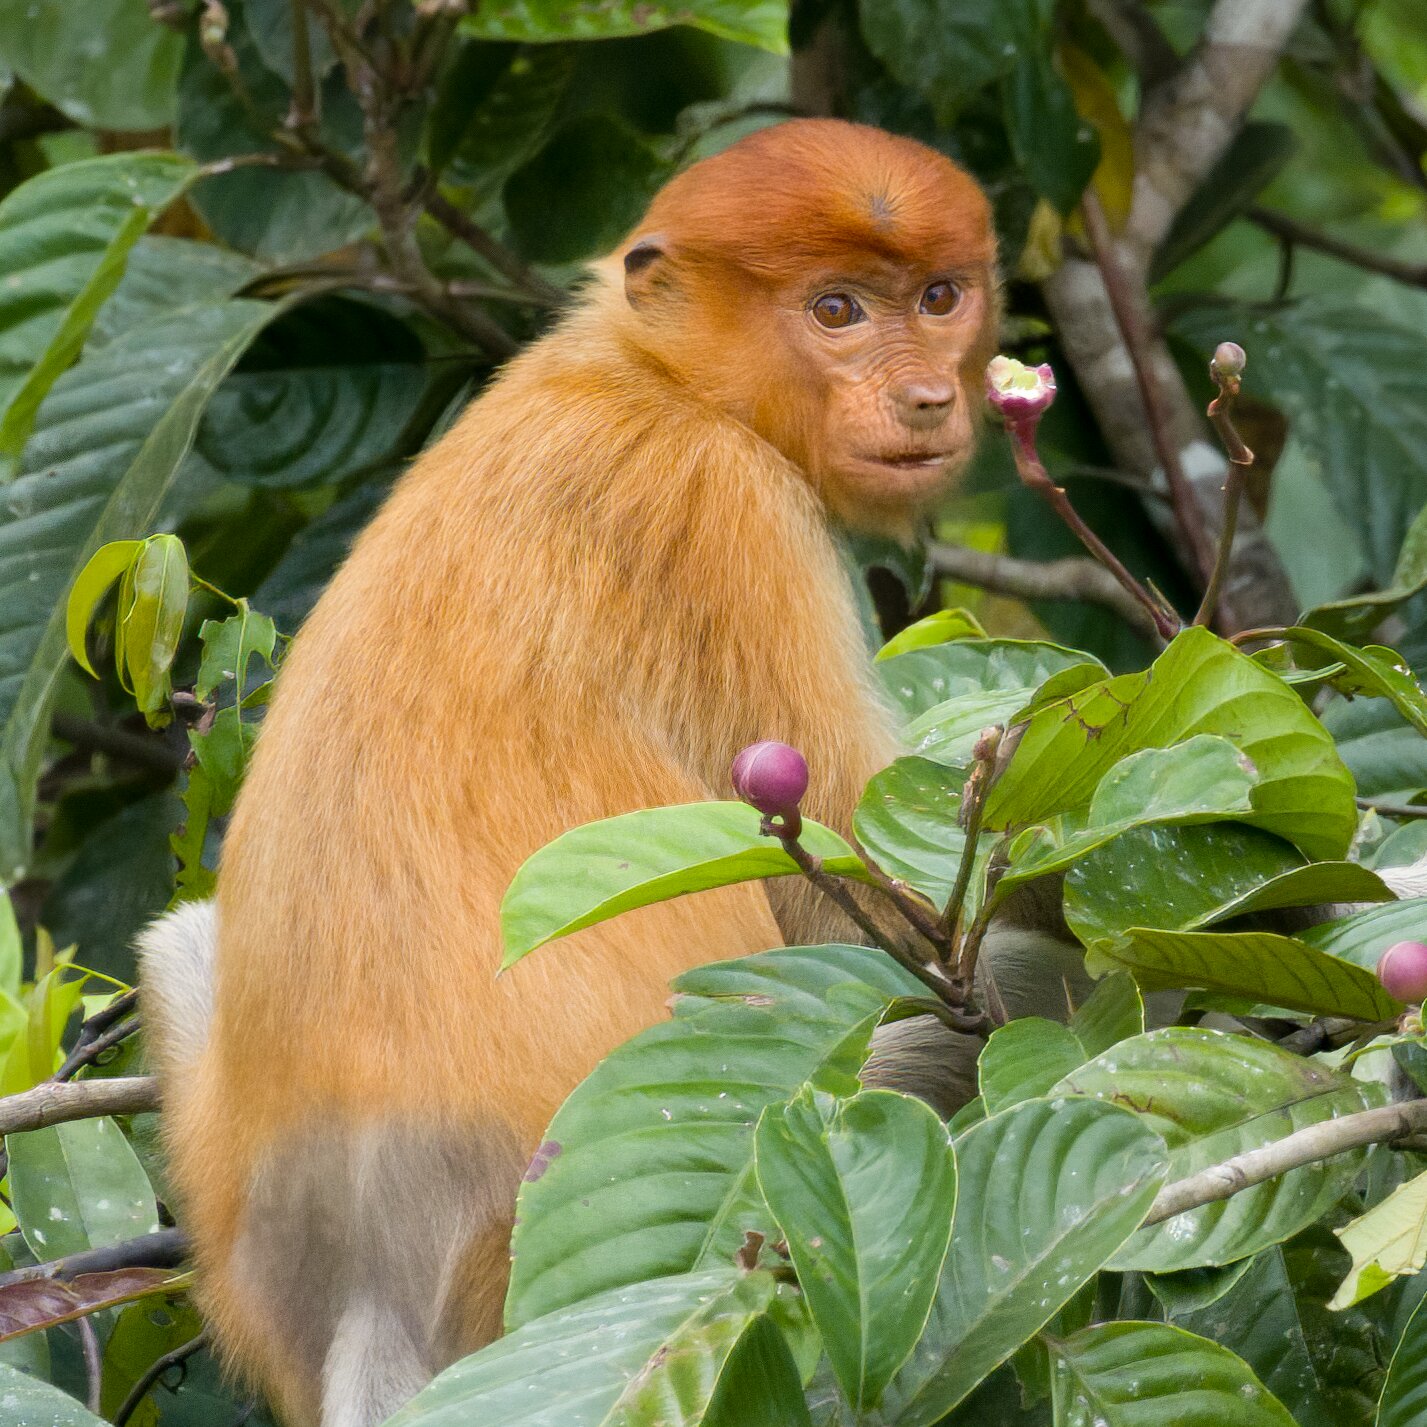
(1073, 578)
(165, 1248)
(1322, 1141)
(1301, 235)
(1240, 460)
(56, 1102)
(1133, 29)
(145, 1383)
(1392, 810)
(461, 226)
(140, 750)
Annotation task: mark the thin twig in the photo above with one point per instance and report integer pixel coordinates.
(56, 1102)
(141, 750)
(1321, 1141)
(914, 909)
(90, 1051)
(93, 1364)
(1073, 578)
(1034, 475)
(461, 226)
(154, 1372)
(1390, 809)
(304, 109)
(1240, 460)
(1136, 341)
(1369, 259)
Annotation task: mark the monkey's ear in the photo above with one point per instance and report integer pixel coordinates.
(641, 268)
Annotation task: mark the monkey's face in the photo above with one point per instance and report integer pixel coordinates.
(894, 360)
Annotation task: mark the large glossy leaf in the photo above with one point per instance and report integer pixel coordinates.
(1185, 878)
(1387, 759)
(1025, 1058)
(64, 239)
(1387, 1241)
(30, 1403)
(1404, 1394)
(1152, 1375)
(754, 22)
(1372, 669)
(78, 1186)
(1198, 685)
(651, 1352)
(921, 678)
(760, 1385)
(906, 822)
(1363, 937)
(108, 441)
(676, 1107)
(1354, 392)
(596, 871)
(107, 64)
(1211, 1096)
(863, 1192)
(1276, 970)
(1203, 779)
(1047, 1192)
(1322, 1366)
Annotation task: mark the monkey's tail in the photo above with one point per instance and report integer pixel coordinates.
(176, 963)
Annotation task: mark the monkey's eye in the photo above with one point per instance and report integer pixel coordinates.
(940, 298)
(837, 309)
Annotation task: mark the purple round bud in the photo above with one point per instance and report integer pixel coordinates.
(1228, 361)
(1018, 392)
(771, 777)
(1403, 970)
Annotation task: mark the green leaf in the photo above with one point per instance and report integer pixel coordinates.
(1198, 685)
(906, 821)
(78, 1186)
(65, 236)
(1203, 779)
(944, 50)
(1386, 1242)
(1404, 1395)
(1211, 1096)
(109, 440)
(1185, 878)
(94, 582)
(948, 733)
(1152, 1375)
(594, 872)
(1373, 670)
(153, 599)
(675, 1108)
(125, 80)
(649, 1352)
(1047, 1192)
(30, 1403)
(1025, 1058)
(1354, 619)
(863, 1191)
(1113, 1013)
(230, 646)
(1324, 1367)
(919, 679)
(760, 1385)
(1355, 394)
(12, 953)
(943, 627)
(605, 174)
(1056, 149)
(1362, 937)
(753, 22)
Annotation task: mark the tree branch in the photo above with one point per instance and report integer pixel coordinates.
(1189, 120)
(1321, 1141)
(1301, 235)
(57, 1102)
(1133, 29)
(1073, 578)
(165, 1248)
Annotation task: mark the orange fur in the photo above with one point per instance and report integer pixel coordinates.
(613, 573)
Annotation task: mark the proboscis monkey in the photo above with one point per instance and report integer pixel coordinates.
(614, 572)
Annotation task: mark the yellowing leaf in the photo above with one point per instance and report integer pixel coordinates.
(1114, 176)
(1386, 1242)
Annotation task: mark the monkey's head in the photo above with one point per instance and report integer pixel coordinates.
(834, 287)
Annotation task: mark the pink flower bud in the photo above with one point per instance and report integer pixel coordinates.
(1403, 970)
(1228, 361)
(1018, 392)
(771, 777)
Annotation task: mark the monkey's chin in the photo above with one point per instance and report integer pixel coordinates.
(907, 481)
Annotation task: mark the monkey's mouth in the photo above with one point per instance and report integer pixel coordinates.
(912, 463)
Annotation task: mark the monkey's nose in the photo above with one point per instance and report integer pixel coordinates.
(924, 401)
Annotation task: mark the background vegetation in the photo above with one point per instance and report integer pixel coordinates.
(254, 256)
